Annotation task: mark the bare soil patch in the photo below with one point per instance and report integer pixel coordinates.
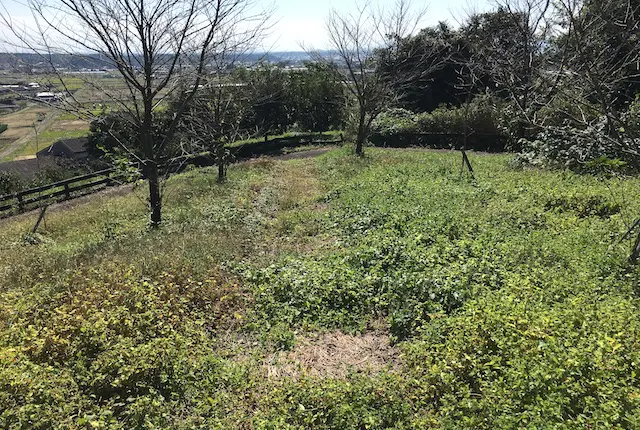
(334, 355)
(21, 123)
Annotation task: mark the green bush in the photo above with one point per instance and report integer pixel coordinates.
(511, 361)
(478, 118)
(3, 127)
(563, 112)
(588, 149)
(108, 347)
(577, 137)
(10, 183)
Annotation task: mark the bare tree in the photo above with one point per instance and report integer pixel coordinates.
(598, 62)
(356, 40)
(507, 46)
(595, 63)
(159, 48)
(213, 118)
(601, 52)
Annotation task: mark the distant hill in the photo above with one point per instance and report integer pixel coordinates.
(28, 62)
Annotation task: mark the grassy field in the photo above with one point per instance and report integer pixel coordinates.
(21, 123)
(336, 292)
(95, 93)
(20, 139)
(54, 132)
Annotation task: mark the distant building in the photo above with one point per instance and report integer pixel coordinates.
(10, 88)
(75, 148)
(47, 96)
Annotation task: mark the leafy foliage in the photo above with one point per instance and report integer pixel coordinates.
(319, 98)
(10, 183)
(509, 301)
(425, 89)
(114, 134)
(581, 149)
(483, 116)
(277, 100)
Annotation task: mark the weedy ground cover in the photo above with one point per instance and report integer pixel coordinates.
(507, 300)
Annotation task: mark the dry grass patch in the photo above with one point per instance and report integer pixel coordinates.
(334, 355)
(70, 125)
(297, 226)
(21, 122)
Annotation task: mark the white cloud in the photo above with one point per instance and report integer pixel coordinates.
(291, 33)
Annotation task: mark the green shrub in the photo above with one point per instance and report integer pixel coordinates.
(478, 118)
(564, 112)
(3, 127)
(10, 183)
(510, 361)
(108, 345)
(588, 149)
(577, 137)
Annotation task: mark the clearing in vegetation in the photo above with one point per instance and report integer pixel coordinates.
(333, 292)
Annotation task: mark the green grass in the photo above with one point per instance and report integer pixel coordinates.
(509, 298)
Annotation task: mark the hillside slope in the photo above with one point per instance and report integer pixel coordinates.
(336, 292)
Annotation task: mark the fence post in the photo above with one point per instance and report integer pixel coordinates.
(67, 194)
(20, 202)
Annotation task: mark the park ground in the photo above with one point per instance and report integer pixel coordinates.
(389, 291)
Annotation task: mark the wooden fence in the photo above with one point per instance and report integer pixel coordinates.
(86, 184)
(57, 191)
(92, 182)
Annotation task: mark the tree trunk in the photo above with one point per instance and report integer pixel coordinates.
(221, 175)
(150, 164)
(220, 160)
(360, 138)
(359, 145)
(155, 199)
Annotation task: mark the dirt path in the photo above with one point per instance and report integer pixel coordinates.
(127, 188)
(312, 153)
(307, 153)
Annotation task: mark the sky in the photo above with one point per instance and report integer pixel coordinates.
(300, 23)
